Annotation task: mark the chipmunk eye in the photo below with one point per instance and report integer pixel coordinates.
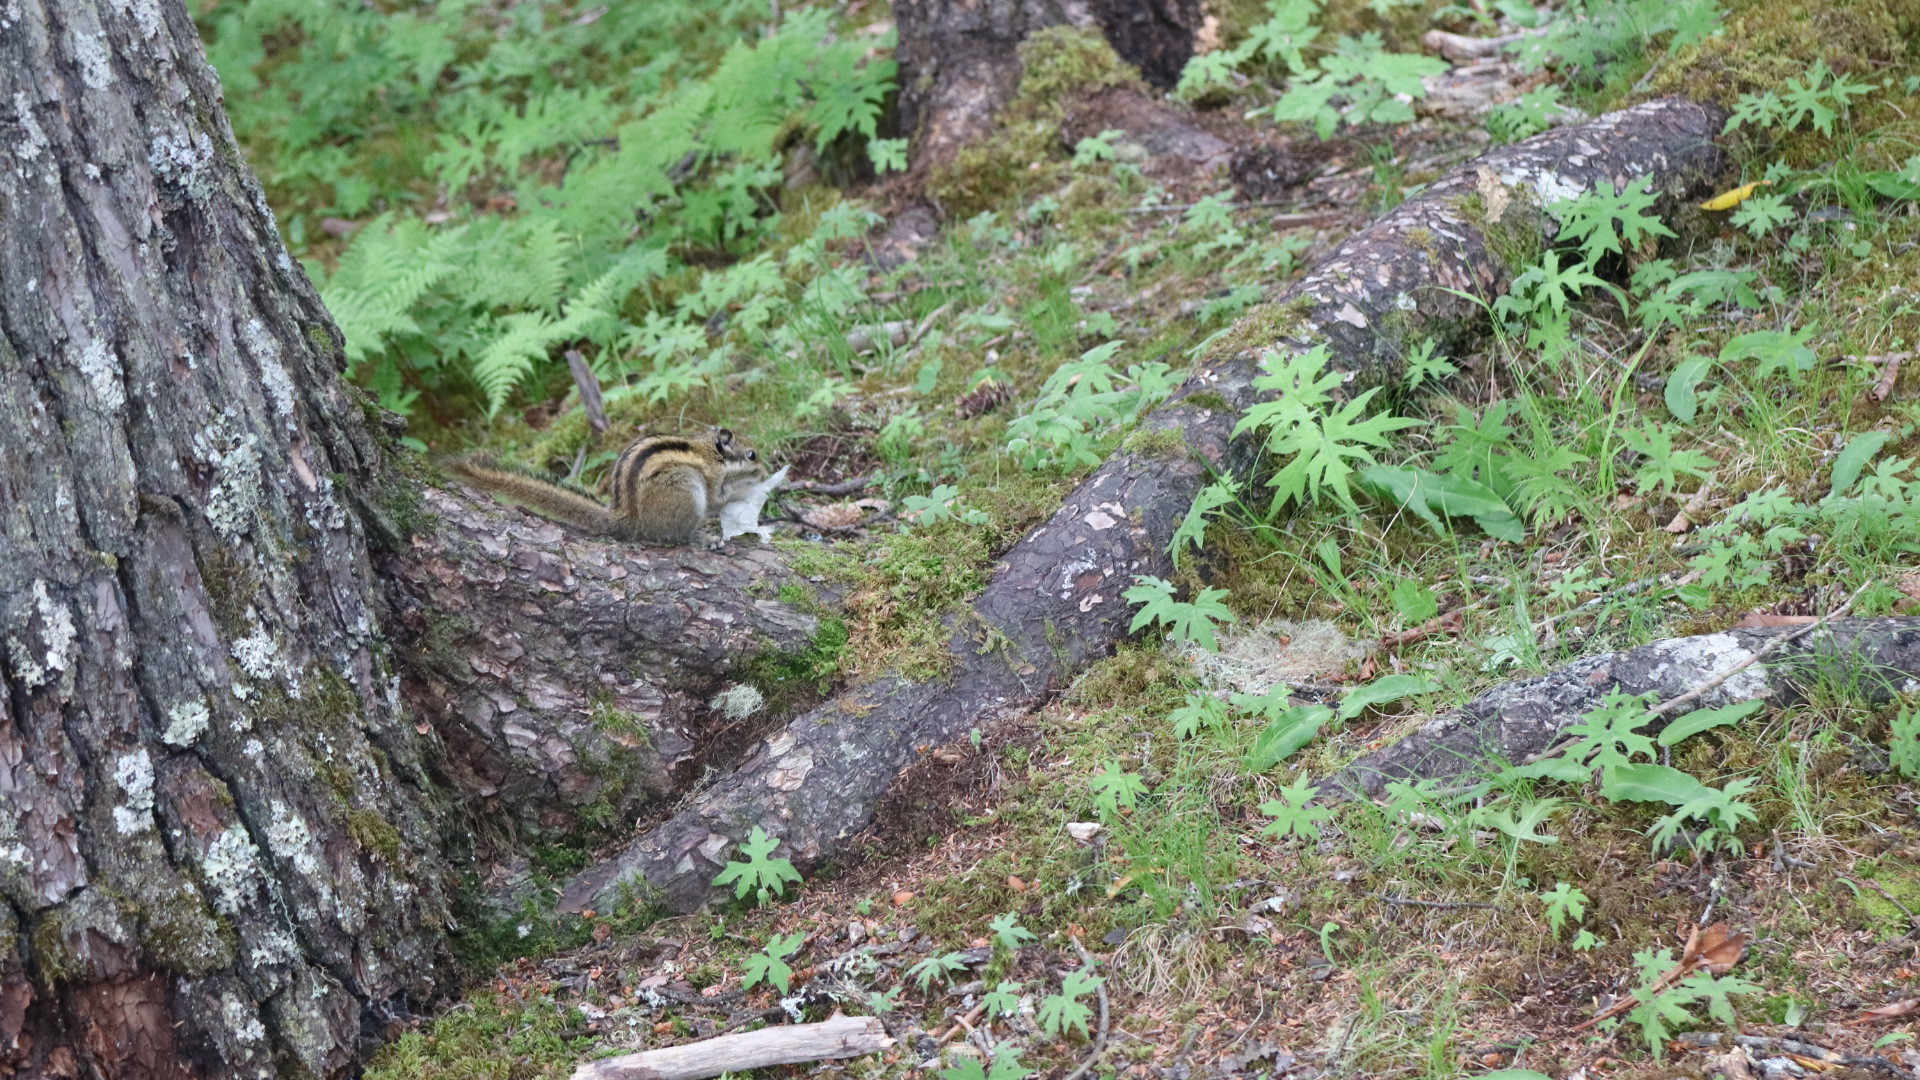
(752, 454)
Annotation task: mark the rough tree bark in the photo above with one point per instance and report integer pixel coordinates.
(959, 62)
(1054, 603)
(220, 849)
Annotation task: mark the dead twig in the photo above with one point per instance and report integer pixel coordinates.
(1759, 654)
(1889, 373)
(1913, 921)
(1100, 1040)
(961, 1023)
(1410, 902)
(844, 487)
(1451, 623)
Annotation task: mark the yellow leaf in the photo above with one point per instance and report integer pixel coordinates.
(1727, 200)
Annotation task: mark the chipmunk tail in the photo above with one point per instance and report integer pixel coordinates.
(563, 503)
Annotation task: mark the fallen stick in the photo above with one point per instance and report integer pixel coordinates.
(1099, 1040)
(792, 1044)
(1459, 47)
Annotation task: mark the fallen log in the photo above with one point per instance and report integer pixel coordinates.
(1516, 720)
(791, 1044)
(1053, 605)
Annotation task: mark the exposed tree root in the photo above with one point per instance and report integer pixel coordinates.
(565, 674)
(1509, 723)
(1054, 603)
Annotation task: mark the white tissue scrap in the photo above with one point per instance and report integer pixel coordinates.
(743, 514)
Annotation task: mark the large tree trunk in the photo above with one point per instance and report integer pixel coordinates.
(219, 847)
(1054, 603)
(959, 59)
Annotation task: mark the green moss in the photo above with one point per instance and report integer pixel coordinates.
(180, 934)
(1763, 44)
(374, 833)
(1166, 443)
(618, 722)
(1517, 238)
(1025, 151)
(53, 962)
(1263, 326)
(231, 585)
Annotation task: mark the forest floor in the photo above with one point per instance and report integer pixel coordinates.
(1688, 426)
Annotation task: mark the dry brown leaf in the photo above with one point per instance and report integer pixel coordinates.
(878, 506)
(1889, 373)
(1888, 1012)
(1680, 523)
(1755, 619)
(1717, 948)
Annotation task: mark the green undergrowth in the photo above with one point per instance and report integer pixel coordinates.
(1680, 417)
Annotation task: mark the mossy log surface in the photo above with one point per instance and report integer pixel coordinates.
(220, 845)
(1872, 658)
(1054, 604)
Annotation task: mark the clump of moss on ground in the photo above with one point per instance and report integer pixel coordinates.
(1762, 45)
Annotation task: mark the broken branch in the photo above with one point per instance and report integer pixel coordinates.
(794, 1044)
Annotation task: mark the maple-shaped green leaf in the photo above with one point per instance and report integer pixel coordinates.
(766, 875)
(1522, 825)
(1720, 808)
(770, 964)
(1609, 734)
(1002, 1000)
(1288, 30)
(1201, 711)
(1565, 904)
(1006, 1066)
(1009, 933)
(1115, 789)
(1192, 530)
(1601, 220)
(1291, 813)
(1761, 214)
(1663, 465)
(1776, 350)
(1191, 622)
(1065, 1010)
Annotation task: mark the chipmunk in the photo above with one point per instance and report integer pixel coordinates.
(664, 487)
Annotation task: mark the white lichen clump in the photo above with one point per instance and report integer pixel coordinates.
(273, 374)
(290, 839)
(242, 1020)
(231, 866)
(34, 137)
(96, 66)
(186, 722)
(738, 701)
(57, 633)
(184, 162)
(103, 373)
(232, 501)
(134, 773)
(256, 653)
